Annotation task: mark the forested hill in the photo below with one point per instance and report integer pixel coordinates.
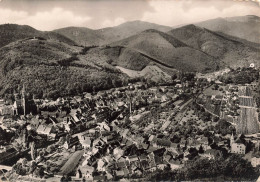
(50, 69)
(13, 32)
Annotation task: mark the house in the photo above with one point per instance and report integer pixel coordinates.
(237, 147)
(85, 141)
(138, 172)
(151, 138)
(103, 126)
(167, 157)
(101, 165)
(162, 166)
(204, 142)
(108, 159)
(87, 172)
(134, 163)
(118, 153)
(144, 162)
(164, 98)
(109, 176)
(97, 142)
(45, 129)
(119, 173)
(71, 142)
(162, 143)
(124, 133)
(74, 115)
(101, 93)
(132, 159)
(122, 164)
(6, 110)
(88, 96)
(145, 146)
(255, 160)
(183, 143)
(101, 115)
(126, 172)
(174, 164)
(2, 102)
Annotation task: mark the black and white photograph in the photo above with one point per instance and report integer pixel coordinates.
(129, 90)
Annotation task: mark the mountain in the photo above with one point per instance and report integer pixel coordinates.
(168, 51)
(89, 37)
(232, 51)
(129, 61)
(245, 27)
(13, 32)
(82, 36)
(129, 29)
(50, 68)
(50, 64)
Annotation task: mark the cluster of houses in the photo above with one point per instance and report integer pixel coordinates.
(114, 135)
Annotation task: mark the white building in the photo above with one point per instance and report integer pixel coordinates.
(237, 147)
(255, 161)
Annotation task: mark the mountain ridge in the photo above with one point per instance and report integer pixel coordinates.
(111, 34)
(32, 57)
(245, 27)
(169, 50)
(14, 32)
(231, 51)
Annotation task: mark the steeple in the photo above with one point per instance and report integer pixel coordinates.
(232, 139)
(257, 145)
(24, 100)
(23, 90)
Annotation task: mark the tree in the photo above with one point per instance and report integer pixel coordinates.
(201, 150)
(224, 127)
(174, 77)
(236, 166)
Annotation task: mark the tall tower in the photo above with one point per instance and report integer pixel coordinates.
(232, 139)
(24, 100)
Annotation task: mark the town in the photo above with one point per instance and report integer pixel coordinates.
(133, 133)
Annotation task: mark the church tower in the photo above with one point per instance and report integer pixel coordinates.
(232, 139)
(23, 100)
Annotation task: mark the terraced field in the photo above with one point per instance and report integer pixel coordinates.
(246, 102)
(248, 119)
(248, 122)
(245, 91)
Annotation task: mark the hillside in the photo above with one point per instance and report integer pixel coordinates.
(48, 68)
(232, 51)
(13, 32)
(117, 56)
(245, 27)
(50, 64)
(89, 37)
(82, 36)
(168, 51)
(149, 72)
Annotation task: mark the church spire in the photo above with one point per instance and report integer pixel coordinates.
(24, 100)
(232, 139)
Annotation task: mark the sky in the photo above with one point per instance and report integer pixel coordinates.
(96, 14)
